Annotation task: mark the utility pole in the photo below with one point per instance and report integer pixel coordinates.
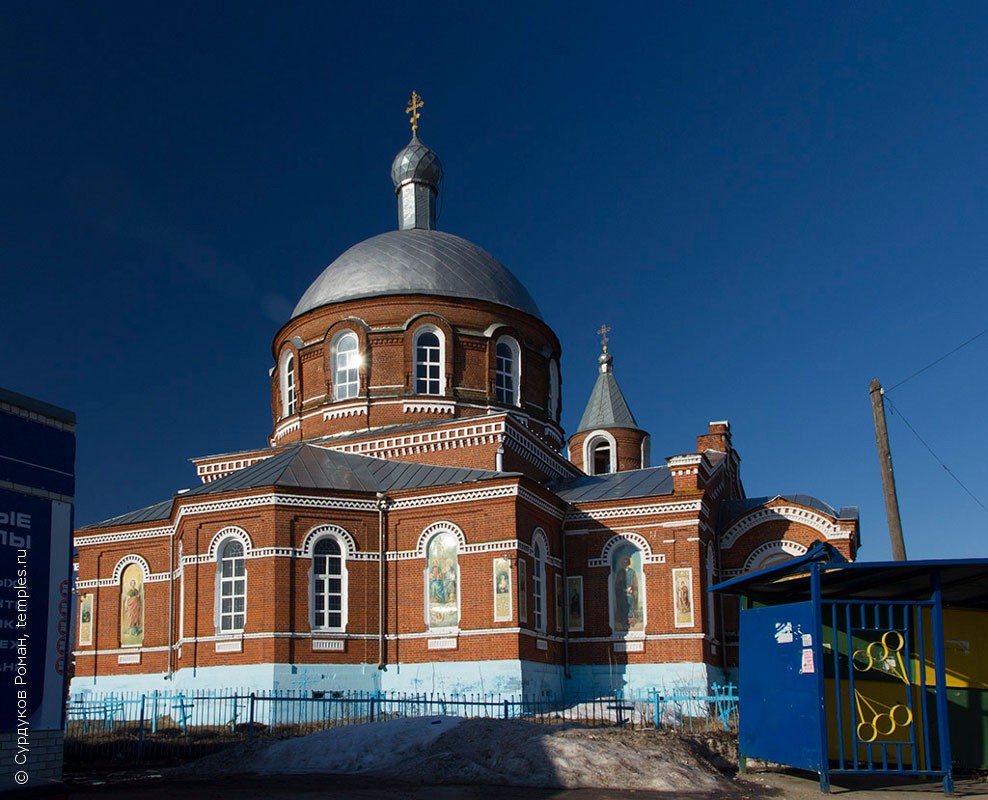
(888, 477)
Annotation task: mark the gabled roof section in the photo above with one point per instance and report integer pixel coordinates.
(652, 482)
(154, 513)
(732, 509)
(607, 407)
(306, 466)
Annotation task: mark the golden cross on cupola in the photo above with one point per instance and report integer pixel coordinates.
(414, 104)
(604, 330)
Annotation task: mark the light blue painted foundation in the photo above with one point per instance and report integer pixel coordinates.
(521, 679)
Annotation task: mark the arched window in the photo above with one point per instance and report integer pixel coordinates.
(428, 362)
(538, 585)
(442, 581)
(506, 371)
(554, 390)
(346, 364)
(328, 585)
(232, 587)
(599, 454)
(627, 590)
(288, 389)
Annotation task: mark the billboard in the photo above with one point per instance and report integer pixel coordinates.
(37, 484)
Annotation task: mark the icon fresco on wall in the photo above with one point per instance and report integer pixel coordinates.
(627, 589)
(86, 619)
(574, 602)
(442, 581)
(682, 590)
(132, 607)
(502, 590)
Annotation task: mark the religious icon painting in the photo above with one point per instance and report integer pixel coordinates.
(522, 591)
(682, 589)
(574, 602)
(627, 593)
(559, 603)
(442, 582)
(502, 590)
(86, 605)
(132, 606)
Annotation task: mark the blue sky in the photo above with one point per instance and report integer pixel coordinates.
(769, 203)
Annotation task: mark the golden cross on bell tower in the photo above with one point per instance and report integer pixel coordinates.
(604, 330)
(414, 104)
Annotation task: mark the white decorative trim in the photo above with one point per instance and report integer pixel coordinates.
(439, 527)
(803, 516)
(648, 638)
(129, 650)
(786, 546)
(692, 460)
(349, 545)
(467, 496)
(532, 499)
(627, 538)
(630, 646)
(352, 410)
(209, 471)
(591, 439)
(334, 645)
(129, 658)
(229, 532)
(230, 646)
(684, 507)
(284, 430)
(122, 536)
(126, 561)
(446, 643)
(428, 407)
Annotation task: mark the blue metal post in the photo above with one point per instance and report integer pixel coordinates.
(940, 669)
(816, 601)
(140, 732)
(250, 727)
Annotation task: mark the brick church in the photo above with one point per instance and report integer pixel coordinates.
(419, 520)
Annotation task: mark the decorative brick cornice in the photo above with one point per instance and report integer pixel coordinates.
(803, 516)
(617, 512)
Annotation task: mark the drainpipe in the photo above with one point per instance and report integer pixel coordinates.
(382, 653)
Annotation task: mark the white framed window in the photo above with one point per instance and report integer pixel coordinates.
(345, 355)
(288, 385)
(328, 586)
(429, 361)
(538, 585)
(506, 371)
(232, 587)
(599, 454)
(554, 390)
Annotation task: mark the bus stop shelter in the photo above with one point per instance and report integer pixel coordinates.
(864, 668)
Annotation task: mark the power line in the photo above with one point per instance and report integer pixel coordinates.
(923, 442)
(937, 361)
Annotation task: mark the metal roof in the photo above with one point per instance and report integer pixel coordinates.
(423, 262)
(964, 582)
(158, 511)
(417, 162)
(652, 482)
(306, 466)
(732, 509)
(606, 407)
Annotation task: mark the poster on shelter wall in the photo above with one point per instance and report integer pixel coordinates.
(502, 590)
(87, 604)
(574, 603)
(132, 606)
(682, 589)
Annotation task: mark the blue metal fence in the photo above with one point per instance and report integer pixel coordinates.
(163, 725)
